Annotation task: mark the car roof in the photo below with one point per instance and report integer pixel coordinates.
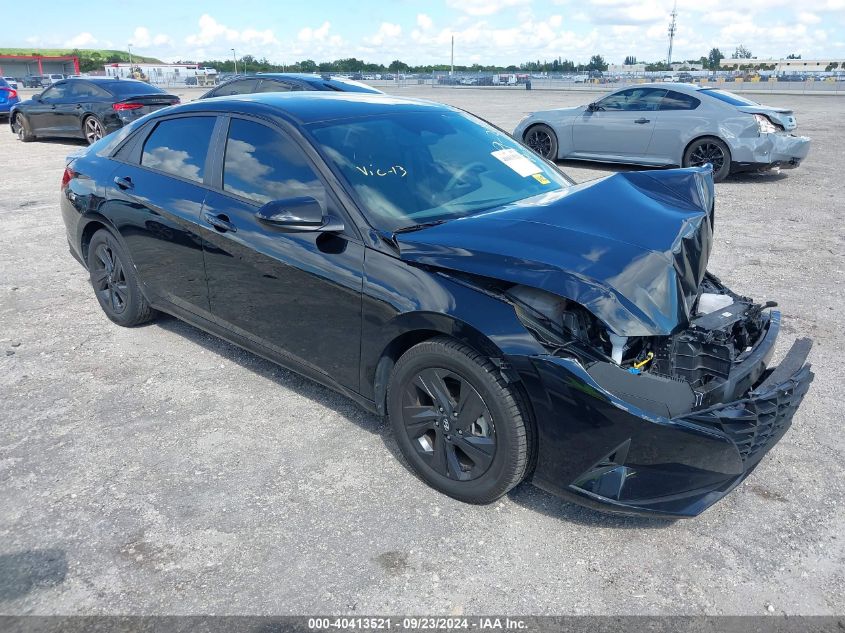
(310, 107)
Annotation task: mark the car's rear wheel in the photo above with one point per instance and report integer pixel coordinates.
(542, 139)
(93, 129)
(114, 281)
(709, 150)
(22, 129)
(462, 428)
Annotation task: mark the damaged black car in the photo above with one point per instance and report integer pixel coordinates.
(512, 325)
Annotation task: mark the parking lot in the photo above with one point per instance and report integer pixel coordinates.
(161, 470)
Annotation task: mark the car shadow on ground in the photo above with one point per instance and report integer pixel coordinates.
(525, 495)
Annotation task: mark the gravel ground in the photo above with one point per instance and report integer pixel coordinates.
(159, 470)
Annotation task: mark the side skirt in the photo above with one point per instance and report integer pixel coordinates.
(259, 350)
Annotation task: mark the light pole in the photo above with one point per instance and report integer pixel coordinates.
(129, 46)
(235, 60)
(452, 72)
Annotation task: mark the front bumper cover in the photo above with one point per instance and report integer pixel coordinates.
(604, 452)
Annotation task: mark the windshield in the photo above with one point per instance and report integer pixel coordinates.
(728, 97)
(420, 167)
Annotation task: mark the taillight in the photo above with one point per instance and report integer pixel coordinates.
(127, 106)
(12, 92)
(66, 177)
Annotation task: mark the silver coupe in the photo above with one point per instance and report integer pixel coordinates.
(667, 125)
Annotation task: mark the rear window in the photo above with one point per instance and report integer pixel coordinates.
(179, 146)
(727, 97)
(678, 101)
(129, 87)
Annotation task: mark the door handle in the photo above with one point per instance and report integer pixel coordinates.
(124, 182)
(219, 222)
(642, 121)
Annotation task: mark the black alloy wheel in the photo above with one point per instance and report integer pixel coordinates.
(21, 128)
(462, 428)
(114, 282)
(93, 129)
(709, 151)
(448, 424)
(542, 139)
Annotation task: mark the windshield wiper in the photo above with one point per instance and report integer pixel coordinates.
(418, 227)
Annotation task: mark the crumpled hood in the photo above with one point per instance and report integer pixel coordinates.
(631, 248)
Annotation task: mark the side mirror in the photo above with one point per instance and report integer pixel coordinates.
(592, 107)
(302, 214)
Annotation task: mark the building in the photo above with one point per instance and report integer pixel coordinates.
(787, 66)
(20, 66)
(162, 73)
(624, 69)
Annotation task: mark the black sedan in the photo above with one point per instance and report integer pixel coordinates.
(511, 324)
(286, 82)
(88, 108)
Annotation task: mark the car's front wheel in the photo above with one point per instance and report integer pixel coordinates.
(709, 150)
(461, 427)
(114, 281)
(542, 139)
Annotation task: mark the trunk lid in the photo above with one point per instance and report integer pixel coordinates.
(149, 103)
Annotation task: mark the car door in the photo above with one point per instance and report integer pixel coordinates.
(680, 119)
(68, 110)
(41, 113)
(296, 293)
(618, 127)
(155, 200)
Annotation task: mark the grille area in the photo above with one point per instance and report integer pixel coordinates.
(757, 422)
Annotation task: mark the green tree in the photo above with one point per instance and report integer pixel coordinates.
(793, 56)
(597, 63)
(742, 53)
(397, 66)
(630, 60)
(714, 58)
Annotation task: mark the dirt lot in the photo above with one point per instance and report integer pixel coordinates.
(160, 470)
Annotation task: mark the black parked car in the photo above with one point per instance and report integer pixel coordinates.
(286, 82)
(511, 324)
(87, 108)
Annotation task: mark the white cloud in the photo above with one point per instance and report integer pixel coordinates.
(142, 38)
(320, 34)
(80, 41)
(805, 17)
(555, 21)
(483, 7)
(386, 33)
(424, 22)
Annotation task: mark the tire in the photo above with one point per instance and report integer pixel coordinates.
(93, 129)
(709, 150)
(542, 140)
(115, 283)
(461, 428)
(24, 132)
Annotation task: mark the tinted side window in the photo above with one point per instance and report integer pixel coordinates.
(271, 85)
(634, 100)
(246, 86)
(264, 165)
(84, 89)
(55, 92)
(678, 101)
(179, 146)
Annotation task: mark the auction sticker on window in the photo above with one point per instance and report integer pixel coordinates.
(517, 162)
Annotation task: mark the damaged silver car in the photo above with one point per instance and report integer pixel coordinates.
(669, 125)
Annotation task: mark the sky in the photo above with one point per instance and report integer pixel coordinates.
(486, 31)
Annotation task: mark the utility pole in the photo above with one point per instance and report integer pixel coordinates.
(673, 27)
(452, 72)
(235, 60)
(129, 46)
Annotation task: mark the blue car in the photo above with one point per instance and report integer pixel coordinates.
(8, 97)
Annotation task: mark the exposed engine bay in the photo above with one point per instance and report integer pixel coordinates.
(670, 375)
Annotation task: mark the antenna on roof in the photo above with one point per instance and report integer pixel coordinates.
(673, 27)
